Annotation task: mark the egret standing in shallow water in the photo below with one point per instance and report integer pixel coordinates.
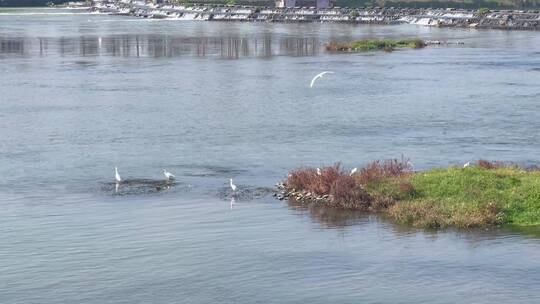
(320, 75)
(117, 176)
(118, 179)
(353, 171)
(233, 186)
(168, 175)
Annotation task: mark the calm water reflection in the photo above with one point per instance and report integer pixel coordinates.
(81, 94)
(158, 46)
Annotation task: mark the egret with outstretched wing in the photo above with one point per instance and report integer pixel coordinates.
(320, 75)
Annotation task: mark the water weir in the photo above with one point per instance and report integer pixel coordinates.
(497, 19)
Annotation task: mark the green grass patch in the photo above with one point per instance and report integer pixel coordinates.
(375, 44)
(476, 196)
(469, 197)
(483, 11)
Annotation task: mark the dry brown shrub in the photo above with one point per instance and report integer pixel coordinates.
(308, 179)
(377, 170)
(347, 193)
(342, 189)
(382, 203)
(430, 214)
(486, 164)
(425, 214)
(338, 47)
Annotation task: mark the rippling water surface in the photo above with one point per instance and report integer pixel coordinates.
(82, 93)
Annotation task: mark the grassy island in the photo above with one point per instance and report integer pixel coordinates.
(482, 194)
(375, 44)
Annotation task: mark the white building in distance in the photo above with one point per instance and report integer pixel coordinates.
(293, 3)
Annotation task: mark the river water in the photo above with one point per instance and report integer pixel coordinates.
(82, 93)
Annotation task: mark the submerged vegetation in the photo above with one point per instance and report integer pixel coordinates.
(375, 44)
(484, 194)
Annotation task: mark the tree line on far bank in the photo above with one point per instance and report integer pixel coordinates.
(29, 3)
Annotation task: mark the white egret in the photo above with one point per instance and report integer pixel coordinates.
(168, 175)
(319, 171)
(466, 164)
(233, 186)
(117, 176)
(353, 171)
(320, 75)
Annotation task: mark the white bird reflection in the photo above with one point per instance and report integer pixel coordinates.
(233, 202)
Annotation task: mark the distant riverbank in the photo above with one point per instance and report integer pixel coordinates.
(503, 19)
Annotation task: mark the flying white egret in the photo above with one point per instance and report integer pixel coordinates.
(233, 186)
(319, 171)
(320, 75)
(467, 164)
(168, 175)
(117, 176)
(353, 171)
